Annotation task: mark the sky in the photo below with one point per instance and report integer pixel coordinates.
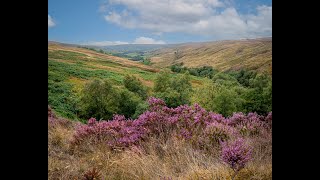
(113, 22)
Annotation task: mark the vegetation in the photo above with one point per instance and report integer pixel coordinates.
(146, 61)
(221, 92)
(95, 49)
(70, 71)
(252, 54)
(174, 91)
(225, 94)
(134, 85)
(187, 123)
(100, 100)
(186, 142)
(205, 71)
(233, 91)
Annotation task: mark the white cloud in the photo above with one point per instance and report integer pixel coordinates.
(104, 43)
(50, 22)
(103, 8)
(139, 40)
(146, 40)
(190, 16)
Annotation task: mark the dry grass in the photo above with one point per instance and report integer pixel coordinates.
(224, 55)
(174, 159)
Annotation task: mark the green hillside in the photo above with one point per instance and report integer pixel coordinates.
(70, 68)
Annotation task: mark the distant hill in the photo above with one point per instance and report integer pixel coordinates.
(62, 44)
(251, 54)
(135, 47)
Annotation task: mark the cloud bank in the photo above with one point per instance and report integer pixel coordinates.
(200, 17)
(139, 40)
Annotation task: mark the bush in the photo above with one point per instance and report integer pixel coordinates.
(174, 91)
(134, 85)
(128, 102)
(99, 99)
(226, 95)
(141, 107)
(236, 154)
(195, 125)
(259, 97)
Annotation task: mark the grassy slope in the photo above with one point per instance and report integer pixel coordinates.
(253, 54)
(70, 67)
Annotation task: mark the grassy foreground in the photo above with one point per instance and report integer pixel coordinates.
(159, 157)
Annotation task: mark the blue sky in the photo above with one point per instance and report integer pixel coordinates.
(112, 22)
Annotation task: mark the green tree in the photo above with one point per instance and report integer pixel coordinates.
(141, 107)
(170, 96)
(259, 97)
(244, 77)
(134, 85)
(205, 94)
(225, 79)
(219, 98)
(128, 102)
(174, 91)
(182, 85)
(99, 99)
(226, 101)
(162, 82)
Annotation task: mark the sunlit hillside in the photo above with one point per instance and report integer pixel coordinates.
(252, 54)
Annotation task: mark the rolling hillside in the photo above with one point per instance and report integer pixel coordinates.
(252, 54)
(70, 67)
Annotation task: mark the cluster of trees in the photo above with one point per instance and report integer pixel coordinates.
(237, 92)
(224, 93)
(205, 71)
(101, 99)
(93, 49)
(146, 61)
(174, 90)
(137, 58)
(228, 92)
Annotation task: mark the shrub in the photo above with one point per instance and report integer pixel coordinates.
(236, 154)
(174, 91)
(99, 99)
(251, 125)
(217, 132)
(134, 85)
(200, 128)
(128, 102)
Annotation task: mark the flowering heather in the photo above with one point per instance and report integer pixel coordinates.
(192, 123)
(92, 121)
(185, 134)
(250, 124)
(213, 117)
(155, 103)
(236, 154)
(217, 132)
(268, 119)
(236, 118)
